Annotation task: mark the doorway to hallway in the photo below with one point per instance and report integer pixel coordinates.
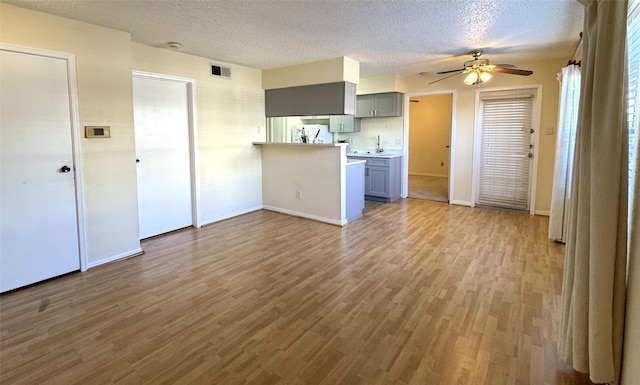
(430, 121)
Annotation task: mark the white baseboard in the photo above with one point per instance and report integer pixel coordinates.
(460, 203)
(229, 215)
(112, 258)
(428, 174)
(543, 213)
(139, 250)
(305, 215)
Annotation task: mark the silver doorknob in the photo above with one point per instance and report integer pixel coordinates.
(65, 169)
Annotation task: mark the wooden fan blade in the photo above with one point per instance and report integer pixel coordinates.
(512, 71)
(450, 71)
(446, 77)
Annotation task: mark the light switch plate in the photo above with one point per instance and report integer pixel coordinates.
(97, 131)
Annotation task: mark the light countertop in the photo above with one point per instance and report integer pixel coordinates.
(373, 155)
(301, 144)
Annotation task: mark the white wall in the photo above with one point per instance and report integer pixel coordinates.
(631, 354)
(389, 129)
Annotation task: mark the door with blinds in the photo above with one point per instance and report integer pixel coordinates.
(506, 148)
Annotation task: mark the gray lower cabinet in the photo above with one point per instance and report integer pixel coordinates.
(381, 178)
(355, 191)
(377, 181)
(387, 104)
(344, 123)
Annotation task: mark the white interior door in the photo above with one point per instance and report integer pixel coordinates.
(38, 201)
(161, 118)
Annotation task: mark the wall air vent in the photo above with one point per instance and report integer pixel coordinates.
(221, 72)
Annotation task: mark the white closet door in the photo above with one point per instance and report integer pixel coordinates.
(38, 201)
(161, 121)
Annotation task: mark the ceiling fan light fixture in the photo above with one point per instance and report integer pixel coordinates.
(479, 71)
(471, 79)
(485, 76)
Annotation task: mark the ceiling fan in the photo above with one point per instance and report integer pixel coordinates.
(479, 70)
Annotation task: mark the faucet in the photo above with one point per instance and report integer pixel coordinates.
(378, 147)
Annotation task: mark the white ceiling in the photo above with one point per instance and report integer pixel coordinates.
(386, 37)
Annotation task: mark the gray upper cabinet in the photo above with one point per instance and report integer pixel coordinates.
(344, 123)
(387, 104)
(318, 99)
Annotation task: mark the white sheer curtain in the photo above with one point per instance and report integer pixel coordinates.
(565, 145)
(631, 357)
(631, 353)
(593, 291)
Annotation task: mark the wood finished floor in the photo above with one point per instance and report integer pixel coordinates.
(415, 292)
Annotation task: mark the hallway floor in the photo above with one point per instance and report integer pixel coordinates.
(429, 187)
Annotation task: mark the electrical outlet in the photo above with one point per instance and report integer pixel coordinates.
(299, 194)
(550, 131)
(398, 142)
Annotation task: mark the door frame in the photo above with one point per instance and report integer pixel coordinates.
(76, 137)
(477, 129)
(193, 137)
(452, 141)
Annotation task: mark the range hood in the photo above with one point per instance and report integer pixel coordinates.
(318, 99)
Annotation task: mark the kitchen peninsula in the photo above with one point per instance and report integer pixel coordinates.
(310, 181)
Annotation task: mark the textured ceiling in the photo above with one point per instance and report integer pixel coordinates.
(386, 37)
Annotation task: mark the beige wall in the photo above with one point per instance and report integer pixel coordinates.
(103, 60)
(464, 116)
(326, 71)
(544, 74)
(377, 84)
(318, 171)
(230, 115)
(429, 135)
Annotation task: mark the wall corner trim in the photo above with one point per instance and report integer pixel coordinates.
(113, 258)
(305, 215)
(460, 203)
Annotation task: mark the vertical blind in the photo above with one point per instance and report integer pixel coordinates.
(633, 41)
(504, 150)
